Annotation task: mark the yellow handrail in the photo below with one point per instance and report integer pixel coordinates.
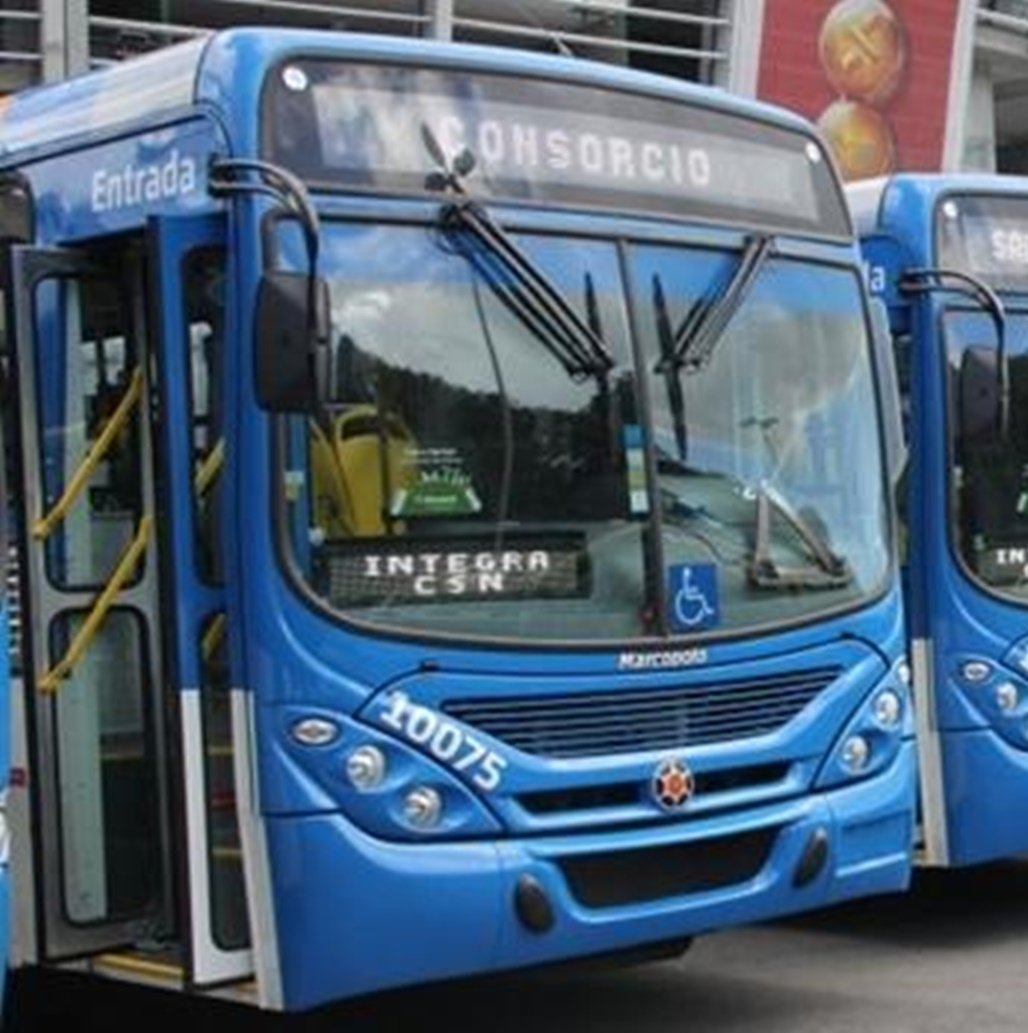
(44, 526)
(208, 469)
(91, 625)
(212, 636)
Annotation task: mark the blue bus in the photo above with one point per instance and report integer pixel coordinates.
(455, 507)
(948, 255)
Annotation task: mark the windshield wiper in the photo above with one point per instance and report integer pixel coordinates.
(515, 279)
(527, 292)
(829, 570)
(689, 348)
(694, 342)
(666, 366)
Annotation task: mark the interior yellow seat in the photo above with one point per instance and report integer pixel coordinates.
(357, 467)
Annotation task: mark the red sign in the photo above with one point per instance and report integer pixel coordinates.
(873, 74)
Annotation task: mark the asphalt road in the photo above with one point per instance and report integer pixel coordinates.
(951, 956)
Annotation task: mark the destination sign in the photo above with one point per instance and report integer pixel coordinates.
(411, 570)
(365, 127)
(985, 236)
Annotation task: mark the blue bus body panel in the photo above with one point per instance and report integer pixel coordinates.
(399, 914)
(396, 912)
(985, 788)
(115, 186)
(984, 752)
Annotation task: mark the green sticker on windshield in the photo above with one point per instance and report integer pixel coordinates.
(438, 487)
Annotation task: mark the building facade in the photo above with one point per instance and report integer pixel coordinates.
(51, 39)
(984, 102)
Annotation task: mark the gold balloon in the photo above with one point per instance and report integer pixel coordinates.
(862, 50)
(860, 138)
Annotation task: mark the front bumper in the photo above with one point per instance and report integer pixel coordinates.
(356, 914)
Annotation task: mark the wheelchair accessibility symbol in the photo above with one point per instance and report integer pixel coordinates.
(693, 597)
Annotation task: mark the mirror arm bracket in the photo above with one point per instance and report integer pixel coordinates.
(230, 176)
(926, 280)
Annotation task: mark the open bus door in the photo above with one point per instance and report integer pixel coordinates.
(90, 571)
(188, 263)
(126, 684)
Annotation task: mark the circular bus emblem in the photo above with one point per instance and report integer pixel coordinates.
(673, 784)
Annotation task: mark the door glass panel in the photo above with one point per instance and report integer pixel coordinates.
(106, 772)
(203, 277)
(105, 877)
(225, 863)
(87, 365)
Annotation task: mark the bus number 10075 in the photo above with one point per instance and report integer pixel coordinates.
(444, 740)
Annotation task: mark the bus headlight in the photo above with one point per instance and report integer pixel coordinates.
(1002, 697)
(384, 787)
(1007, 697)
(871, 740)
(887, 708)
(366, 767)
(423, 807)
(856, 752)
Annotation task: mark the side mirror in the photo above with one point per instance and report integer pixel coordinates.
(292, 356)
(892, 402)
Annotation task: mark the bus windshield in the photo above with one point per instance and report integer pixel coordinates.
(464, 480)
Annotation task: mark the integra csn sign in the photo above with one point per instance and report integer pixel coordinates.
(376, 571)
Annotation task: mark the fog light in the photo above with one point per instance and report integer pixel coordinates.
(975, 671)
(1007, 696)
(856, 752)
(314, 731)
(887, 708)
(366, 767)
(423, 807)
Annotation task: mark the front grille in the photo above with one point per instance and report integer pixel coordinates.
(588, 724)
(621, 794)
(637, 876)
(589, 798)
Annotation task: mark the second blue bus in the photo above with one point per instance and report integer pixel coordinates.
(948, 254)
